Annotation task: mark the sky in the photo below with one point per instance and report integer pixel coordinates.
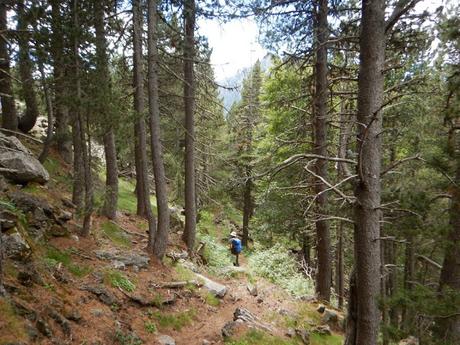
(234, 45)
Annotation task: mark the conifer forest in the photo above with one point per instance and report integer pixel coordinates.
(130, 167)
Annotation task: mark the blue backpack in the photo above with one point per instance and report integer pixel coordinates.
(236, 246)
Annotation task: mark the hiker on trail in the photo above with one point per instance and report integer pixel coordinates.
(235, 246)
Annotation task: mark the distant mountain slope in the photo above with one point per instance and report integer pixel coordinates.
(231, 90)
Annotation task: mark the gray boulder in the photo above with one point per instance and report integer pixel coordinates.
(16, 247)
(18, 164)
(166, 340)
(213, 287)
(127, 258)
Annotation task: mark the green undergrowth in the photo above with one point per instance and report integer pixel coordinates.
(319, 339)
(58, 175)
(280, 268)
(117, 279)
(256, 337)
(210, 299)
(183, 273)
(126, 338)
(11, 325)
(53, 257)
(217, 255)
(113, 232)
(174, 321)
(127, 198)
(150, 327)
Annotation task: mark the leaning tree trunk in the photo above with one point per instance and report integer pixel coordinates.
(161, 238)
(367, 189)
(323, 276)
(189, 104)
(103, 106)
(61, 100)
(29, 118)
(142, 185)
(9, 115)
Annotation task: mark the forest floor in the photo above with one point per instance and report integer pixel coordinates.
(87, 291)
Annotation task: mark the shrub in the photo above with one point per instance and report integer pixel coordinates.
(216, 254)
(280, 268)
(119, 280)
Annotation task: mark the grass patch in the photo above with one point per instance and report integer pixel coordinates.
(210, 299)
(183, 273)
(115, 234)
(127, 201)
(150, 327)
(175, 321)
(318, 339)
(256, 337)
(54, 256)
(11, 326)
(119, 280)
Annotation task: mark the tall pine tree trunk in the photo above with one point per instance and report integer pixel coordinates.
(323, 247)
(103, 109)
(367, 189)
(63, 136)
(111, 179)
(81, 128)
(449, 326)
(9, 114)
(339, 266)
(142, 184)
(161, 188)
(189, 104)
(247, 203)
(27, 121)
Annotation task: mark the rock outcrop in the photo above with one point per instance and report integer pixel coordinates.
(18, 164)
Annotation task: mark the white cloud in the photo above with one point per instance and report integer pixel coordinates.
(234, 45)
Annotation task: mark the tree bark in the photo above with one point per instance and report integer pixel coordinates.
(81, 131)
(2, 289)
(103, 108)
(189, 105)
(111, 179)
(63, 136)
(247, 204)
(449, 282)
(323, 247)
(27, 121)
(339, 270)
(409, 270)
(9, 114)
(306, 248)
(352, 312)
(142, 186)
(161, 188)
(367, 189)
